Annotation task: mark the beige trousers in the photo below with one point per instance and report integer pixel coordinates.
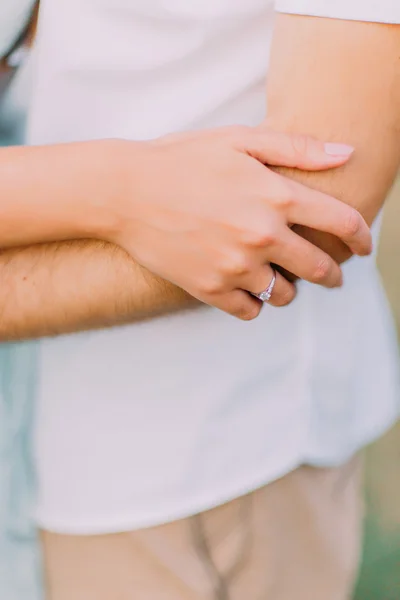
(295, 539)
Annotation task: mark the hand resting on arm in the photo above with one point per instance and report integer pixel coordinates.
(340, 80)
(200, 210)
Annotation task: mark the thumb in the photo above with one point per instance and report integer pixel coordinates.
(294, 150)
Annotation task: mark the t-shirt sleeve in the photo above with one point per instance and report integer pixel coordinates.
(378, 11)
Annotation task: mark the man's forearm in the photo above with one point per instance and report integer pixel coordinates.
(340, 80)
(51, 289)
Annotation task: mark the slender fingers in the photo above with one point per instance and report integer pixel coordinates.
(283, 292)
(237, 303)
(308, 207)
(242, 303)
(306, 261)
(294, 150)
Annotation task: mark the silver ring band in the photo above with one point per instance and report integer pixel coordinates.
(265, 295)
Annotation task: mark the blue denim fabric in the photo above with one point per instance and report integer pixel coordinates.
(20, 569)
(20, 573)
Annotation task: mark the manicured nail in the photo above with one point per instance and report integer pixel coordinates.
(338, 149)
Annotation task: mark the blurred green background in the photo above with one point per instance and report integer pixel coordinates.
(380, 575)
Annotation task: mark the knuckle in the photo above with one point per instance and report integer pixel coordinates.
(239, 264)
(282, 194)
(211, 285)
(285, 200)
(260, 238)
(300, 144)
(352, 224)
(321, 270)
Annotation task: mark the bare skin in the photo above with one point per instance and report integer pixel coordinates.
(356, 108)
(214, 246)
(363, 183)
(360, 105)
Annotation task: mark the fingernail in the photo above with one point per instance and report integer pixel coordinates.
(338, 149)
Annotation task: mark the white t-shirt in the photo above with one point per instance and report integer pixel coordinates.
(155, 421)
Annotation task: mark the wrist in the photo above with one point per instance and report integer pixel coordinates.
(107, 177)
(120, 165)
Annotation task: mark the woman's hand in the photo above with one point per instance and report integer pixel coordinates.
(203, 211)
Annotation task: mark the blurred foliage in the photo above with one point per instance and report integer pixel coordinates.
(380, 573)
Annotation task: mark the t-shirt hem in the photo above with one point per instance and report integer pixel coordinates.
(128, 522)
